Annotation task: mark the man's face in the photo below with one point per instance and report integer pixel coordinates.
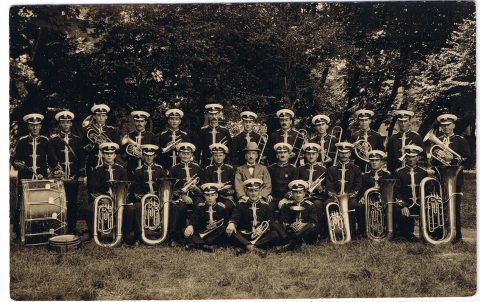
(311, 157)
(148, 159)
(100, 118)
(298, 195)
(219, 157)
(213, 117)
(174, 122)
(65, 126)
(404, 125)
(411, 160)
(344, 156)
(321, 128)
(253, 194)
(109, 157)
(140, 125)
(448, 128)
(365, 123)
(251, 157)
(210, 198)
(285, 123)
(34, 129)
(185, 156)
(376, 164)
(283, 156)
(248, 125)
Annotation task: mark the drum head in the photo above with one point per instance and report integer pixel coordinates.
(63, 239)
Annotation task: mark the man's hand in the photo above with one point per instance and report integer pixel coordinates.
(188, 231)
(230, 229)
(83, 179)
(186, 199)
(362, 201)
(297, 226)
(282, 202)
(405, 212)
(19, 165)
(39, 176)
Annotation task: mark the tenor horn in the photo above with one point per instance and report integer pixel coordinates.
(133, 148)
(108, 215)
(96, 137)
(440, 147)
(437, 206)
(379, 211)
(155, 212)
(338, 220)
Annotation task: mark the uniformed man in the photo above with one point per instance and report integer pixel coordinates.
(206, 229)
(30, 158)
(211, 134)
(187, 176)
(345, 178)
(221, 173)
(252, 170)
(324, 140)
(286, 134)
(96, 133)
(67, 159)
(397, 142)
(365, 139)
(135, 139)
(169, 138)
(299, 216)
(315, 174)
(243, 138)
(251, 220)
(147, 180)
(282, 173)
(103, 178)
(460, 145)
(407, 193)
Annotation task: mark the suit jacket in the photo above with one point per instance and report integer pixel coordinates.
(260, 171)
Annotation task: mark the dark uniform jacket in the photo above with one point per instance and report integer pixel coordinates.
(324, 143)
(201, 215)
(394, 147)
(93, 156)
(373, 177)
(403, 187)
(147, 179)
(307, 215)
(292, 137)
(33, 152)
(183, 172)
(101, 175)
(238, 144)
(281, 175)
(65, 151)
(311, 172)
(141, 138)
(353, 179)
(207, 136)
(374, 139)
(170, 158)
(221, 174)
(243, 214)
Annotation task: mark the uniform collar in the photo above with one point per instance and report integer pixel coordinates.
(140, 132)
(282, 164)
(32, 137)
(63, 134)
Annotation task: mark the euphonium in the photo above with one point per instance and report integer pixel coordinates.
(108, 215)
(439, 147)
(211, 227)
(155, 214)
(262, 144)
(133, 149)
(379, 211)
(437, 206)
(338, 220)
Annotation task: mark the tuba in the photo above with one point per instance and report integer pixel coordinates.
(155, 212)
(440, 148)
(379, 211)
(133, 149)
(108, 215)
(338, 220)
(437, 205)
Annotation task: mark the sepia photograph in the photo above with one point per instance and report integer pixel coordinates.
(273, 150)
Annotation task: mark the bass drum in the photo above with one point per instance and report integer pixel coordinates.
(43, 211)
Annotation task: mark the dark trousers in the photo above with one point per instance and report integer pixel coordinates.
(16, 210)
(404, 226)
(308, 234)
(322, 227)
(71, 191)
(132, 222)
(268, 239)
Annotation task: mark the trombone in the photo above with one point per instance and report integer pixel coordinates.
(262, 144)
(302, 135)
(335, 130)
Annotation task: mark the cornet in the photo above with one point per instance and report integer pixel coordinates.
(439, 149)
(190, 184)
(155, 214)
(257, 232)
(171, 145)
(133, 148)
(211, 227)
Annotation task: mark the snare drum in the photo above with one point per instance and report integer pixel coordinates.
(43, 211)
(64, 243)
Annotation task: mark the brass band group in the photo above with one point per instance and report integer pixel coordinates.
(253, 191)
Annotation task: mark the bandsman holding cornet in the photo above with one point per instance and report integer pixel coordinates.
(206, 229)
(324, 140)
(169, 138)
(67, 161)
(133, 141)
(461, 147)
(407, 193)
(282, 173)
(397, 142)
(240, 141)
(146, 180)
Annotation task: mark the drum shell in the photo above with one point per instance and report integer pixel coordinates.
(64, 243)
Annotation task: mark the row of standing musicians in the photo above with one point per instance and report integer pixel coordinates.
(327, 170)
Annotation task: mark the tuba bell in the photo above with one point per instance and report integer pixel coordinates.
(379, 211)
(440, 148)
(108, 215)
(338, 220)
(155, 212)
(437, 206)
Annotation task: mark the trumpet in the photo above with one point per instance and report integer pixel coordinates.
(171, 145)
(97, 137)
(133, 148)
(108, 215)
(262, 144)
(379, 211)
(440, 149)
(211, 227)
(301, 135)
(437, 213)
(155, 214)
(338, 220)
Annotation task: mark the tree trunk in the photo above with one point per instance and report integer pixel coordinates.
(350, 96)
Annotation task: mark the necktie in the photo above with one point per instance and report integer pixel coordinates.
(214, 135)
(342, 179)
(285, 136)
(247, 137)
(174, 154)
(412, 180)
(254, 214)
(110, 176)
(322, 147)
(404, 139)
(310, 176)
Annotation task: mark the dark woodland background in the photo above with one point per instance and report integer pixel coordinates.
(332, 58)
